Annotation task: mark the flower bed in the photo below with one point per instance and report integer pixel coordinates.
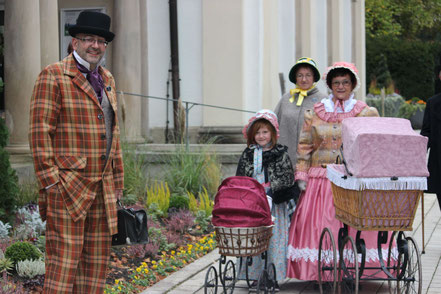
(127, 278)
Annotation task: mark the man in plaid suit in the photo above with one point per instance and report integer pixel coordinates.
(74, 139)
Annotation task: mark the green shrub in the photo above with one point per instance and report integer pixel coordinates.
(6, 265)
(410, 63)
(179, 202)
(156, 236)
(135, 180)
(392, 104)
(408, 109)
(9, 179)
(8, 188)
(30, 268)
(4, 134)
(159, 194)
(21, 251)
(28, 193)
(191, 171)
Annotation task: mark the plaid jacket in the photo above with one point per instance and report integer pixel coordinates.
(67, 137)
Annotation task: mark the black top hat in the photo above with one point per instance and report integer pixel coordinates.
(92, 22)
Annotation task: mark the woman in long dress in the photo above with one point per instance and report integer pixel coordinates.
(319, 144)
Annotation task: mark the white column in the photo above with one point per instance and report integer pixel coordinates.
(312, 31)
(144, 68)
(337, 30)
(49, 27)
(127, 65)
(270, 72)
(359, 44)
(222, 31)
(22, 65)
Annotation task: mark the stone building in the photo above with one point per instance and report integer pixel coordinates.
(230, 54)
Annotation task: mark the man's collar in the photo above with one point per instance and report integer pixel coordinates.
(84, 62)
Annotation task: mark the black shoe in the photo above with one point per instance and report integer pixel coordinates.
(277, 287)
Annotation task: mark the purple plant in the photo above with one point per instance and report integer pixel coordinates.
(143, 250)
(151, 223)
(136, 250)
(175, 238)
(180, 221)
(151, 249)
(9, 287)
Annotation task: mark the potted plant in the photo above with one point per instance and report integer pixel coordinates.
(413, 110)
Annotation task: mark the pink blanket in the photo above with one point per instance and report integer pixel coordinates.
(383, 147)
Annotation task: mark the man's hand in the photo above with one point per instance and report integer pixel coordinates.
(119, 194)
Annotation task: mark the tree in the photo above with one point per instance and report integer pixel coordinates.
(402, 18)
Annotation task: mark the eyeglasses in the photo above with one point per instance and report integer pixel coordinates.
(91, 41)
(300, 76)
(345, 83)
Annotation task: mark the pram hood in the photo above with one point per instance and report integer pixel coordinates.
(241, 202)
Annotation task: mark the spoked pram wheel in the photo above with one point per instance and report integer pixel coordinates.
(327, 266)
(228, 277)
(267, 280)
(348, 274)
(408, 267)
(210, 286)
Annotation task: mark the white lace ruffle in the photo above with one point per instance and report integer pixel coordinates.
(359, 184)
(311, 255)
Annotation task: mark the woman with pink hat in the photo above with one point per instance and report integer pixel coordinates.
(319, 144)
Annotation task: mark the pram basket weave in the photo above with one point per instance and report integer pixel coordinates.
(376, 210)
(242, 242)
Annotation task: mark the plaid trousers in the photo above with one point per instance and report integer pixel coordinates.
(77, 253)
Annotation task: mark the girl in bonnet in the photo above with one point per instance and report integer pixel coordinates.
(268, 162)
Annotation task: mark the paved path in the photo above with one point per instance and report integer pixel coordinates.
(191, 278)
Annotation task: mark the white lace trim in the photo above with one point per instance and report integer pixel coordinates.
(348, 104)
(311, 255)
(384, 183)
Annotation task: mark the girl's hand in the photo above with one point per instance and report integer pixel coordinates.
(302, 185)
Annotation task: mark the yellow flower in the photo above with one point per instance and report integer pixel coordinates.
(173, 252)
(116, 282)
(143, 263)
(138, 269)
(119, 288)
(153, 262)
(155, 266)
(146, 271)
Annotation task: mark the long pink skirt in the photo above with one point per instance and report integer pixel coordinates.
(315, 212)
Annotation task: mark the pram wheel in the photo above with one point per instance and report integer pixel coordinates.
(348, 274)
(327, 266)
(409, 274)
(267, 280)
(229, 277)
(210, 285)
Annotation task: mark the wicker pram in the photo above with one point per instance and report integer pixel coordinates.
(363, 208)
(242, 242)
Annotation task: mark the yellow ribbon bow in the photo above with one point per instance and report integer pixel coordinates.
(302, 94)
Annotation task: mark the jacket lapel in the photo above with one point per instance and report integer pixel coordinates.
(110, 91)
(78, 78)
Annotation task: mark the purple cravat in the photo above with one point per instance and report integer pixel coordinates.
(94, 78)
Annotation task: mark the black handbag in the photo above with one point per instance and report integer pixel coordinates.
(132, 226)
